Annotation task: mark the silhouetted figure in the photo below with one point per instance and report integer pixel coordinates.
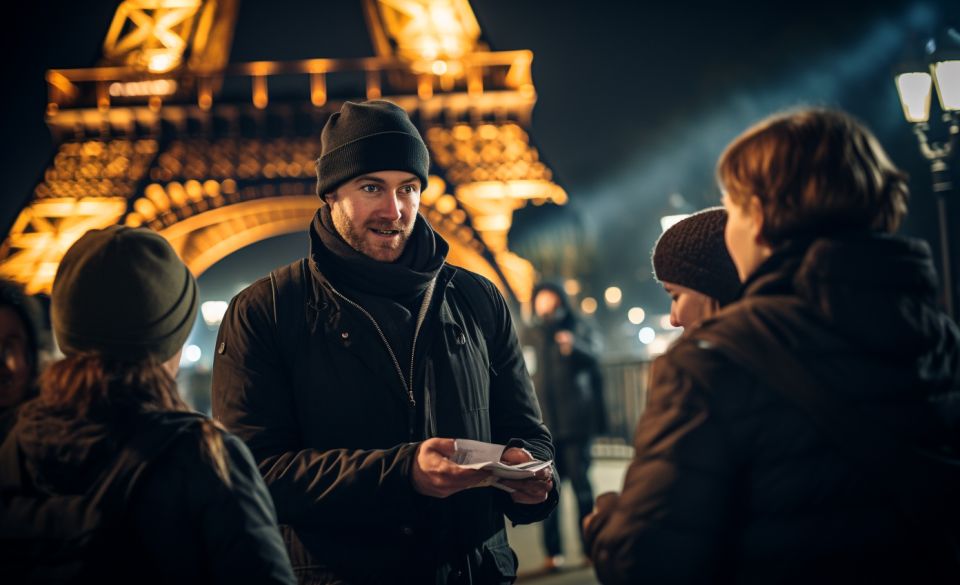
(569, 386)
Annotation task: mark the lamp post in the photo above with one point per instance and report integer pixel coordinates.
(914, 89)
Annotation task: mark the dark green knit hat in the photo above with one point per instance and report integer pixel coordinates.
(123, 292)
(369, 137)
(692, 253)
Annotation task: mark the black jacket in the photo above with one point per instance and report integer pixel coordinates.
(569, 387)
(181, 524)
(732, 482)
(320, 404)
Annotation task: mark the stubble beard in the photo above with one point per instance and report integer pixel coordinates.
(358, 238)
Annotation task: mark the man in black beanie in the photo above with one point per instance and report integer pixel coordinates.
(691, 261)
(350, 374)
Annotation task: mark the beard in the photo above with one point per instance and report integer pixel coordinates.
(361, 239)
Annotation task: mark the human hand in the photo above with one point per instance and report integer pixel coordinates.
(527, 491)
(564, 339)
(605, 504)
(435, 475)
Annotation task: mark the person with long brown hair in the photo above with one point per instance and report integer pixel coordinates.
(108, 475)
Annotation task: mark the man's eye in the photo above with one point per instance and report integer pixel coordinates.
(370, 188)
(408, 189)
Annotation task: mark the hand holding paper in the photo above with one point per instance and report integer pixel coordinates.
(436, 474)
(515, 470)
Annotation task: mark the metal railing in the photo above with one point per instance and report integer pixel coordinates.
(625, 394)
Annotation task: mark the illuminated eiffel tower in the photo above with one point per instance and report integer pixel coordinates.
(159, 135)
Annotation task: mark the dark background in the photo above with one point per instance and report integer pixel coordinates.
(635, 103)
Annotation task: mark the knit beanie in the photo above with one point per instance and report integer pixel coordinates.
(366, 138)
(693, 254)
(124, 293)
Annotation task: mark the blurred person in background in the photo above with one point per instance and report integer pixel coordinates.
(569, 384)
(20, 334)
(107, 475)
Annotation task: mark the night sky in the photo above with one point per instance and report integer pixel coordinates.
(634, 104)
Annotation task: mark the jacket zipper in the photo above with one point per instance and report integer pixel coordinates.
(424, 306)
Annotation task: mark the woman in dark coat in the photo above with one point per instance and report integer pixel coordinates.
(107, 476)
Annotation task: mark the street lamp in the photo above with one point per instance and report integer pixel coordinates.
(914, 89)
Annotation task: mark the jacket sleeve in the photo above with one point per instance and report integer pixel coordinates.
(240, 526)
(515, 416)
(253, 398)
(670, 521)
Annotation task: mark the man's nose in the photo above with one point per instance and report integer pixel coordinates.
(390, 207)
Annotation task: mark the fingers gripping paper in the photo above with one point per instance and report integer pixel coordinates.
(486, 456)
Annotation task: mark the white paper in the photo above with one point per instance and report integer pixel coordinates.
(479, 455)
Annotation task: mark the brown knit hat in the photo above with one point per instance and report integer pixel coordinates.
(692, 253)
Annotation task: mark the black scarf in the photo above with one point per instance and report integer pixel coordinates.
(406, 278)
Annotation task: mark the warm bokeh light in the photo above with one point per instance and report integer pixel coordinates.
(613, 295)
(588, 305)
(162, 62)
(571, 286)
(636, 315)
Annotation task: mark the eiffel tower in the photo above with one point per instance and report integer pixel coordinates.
(165, 132)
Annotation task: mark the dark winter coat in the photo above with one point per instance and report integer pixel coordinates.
(182, 523)
(733, 483)
(321, 405)
(569, 387)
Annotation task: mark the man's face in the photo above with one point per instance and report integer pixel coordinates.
(375, 212)
(688, 307)
(546, 303)
(14, 363)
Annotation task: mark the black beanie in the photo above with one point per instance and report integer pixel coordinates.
(367, 138)
(124, 293)
(692, 253)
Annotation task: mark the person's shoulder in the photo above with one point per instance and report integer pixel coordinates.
(462, 277)
(197, 447)
(258, 297)
(480, 292)
(257, 293)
